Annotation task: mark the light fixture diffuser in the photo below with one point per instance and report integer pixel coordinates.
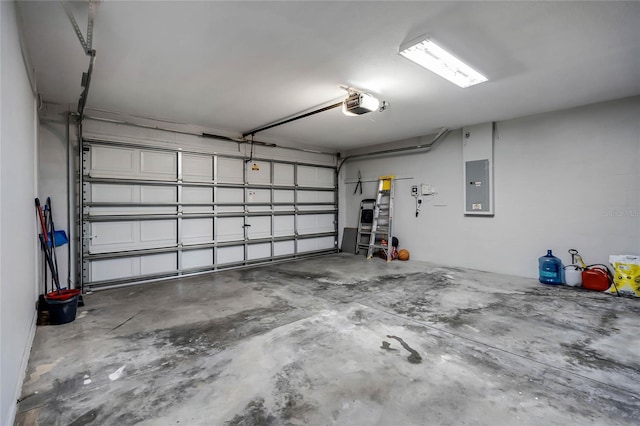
(423, 51)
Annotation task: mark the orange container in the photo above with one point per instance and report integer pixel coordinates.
(596, 278)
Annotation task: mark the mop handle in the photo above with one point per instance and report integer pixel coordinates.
(42, 224)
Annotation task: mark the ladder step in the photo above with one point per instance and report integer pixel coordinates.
(381, 228)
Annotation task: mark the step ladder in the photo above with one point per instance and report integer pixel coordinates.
(365, 222)
(382, 226)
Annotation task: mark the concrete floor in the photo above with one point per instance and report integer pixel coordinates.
(300, 343)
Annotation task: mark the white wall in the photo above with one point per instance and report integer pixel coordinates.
(18, 242)
(565, 179)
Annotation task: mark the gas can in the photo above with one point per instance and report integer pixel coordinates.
(596, 278)
(550, 269)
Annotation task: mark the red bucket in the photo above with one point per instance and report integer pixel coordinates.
(63, 295)
(62, 306)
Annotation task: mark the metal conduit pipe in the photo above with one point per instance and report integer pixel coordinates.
(444, 131)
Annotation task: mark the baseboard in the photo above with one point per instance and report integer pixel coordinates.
(13, 408)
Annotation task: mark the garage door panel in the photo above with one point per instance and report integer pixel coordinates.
(261, 198)
(197, 195)
(258, 172)
(230, 170)
(258, 196)
(158, 194)
(111, 161)
(197, 168)
(158, 232)
(230, 195)
(104, 193)
(197, 258)
(315, 223)
(112, 269)
(230, 255)
(316, 176)
(315, 196)
(110, 236)
(283, 226)
(197, 231)
(230, 229)
(158, 263)
(326, 177)
(131, 235)
(283, 196)
(314, 244)
(283, 248)
(260, 227)
(283, 174)
(158, 165)
(258, 251)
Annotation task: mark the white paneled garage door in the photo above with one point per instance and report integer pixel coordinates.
(154, 212)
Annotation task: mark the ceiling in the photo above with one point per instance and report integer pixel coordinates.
(234, 66)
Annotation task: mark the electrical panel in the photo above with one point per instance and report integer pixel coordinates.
(477, 156)
(477, 183)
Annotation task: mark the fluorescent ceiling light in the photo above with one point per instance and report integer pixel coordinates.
(428, 54)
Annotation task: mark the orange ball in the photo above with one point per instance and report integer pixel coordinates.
(403, 254)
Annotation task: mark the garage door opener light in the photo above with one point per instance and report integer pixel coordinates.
(424, 52)
(359, 103)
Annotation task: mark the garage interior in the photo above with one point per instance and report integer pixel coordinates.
(209, 166)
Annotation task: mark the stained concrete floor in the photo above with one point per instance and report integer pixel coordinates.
(300, 343)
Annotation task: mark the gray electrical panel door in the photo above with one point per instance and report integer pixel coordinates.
(477, 186)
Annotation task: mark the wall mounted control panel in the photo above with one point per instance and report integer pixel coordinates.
(423, 190)
(477, 156)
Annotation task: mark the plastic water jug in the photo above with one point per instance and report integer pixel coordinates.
(550, 269)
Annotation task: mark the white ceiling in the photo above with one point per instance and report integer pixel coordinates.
(234, 66)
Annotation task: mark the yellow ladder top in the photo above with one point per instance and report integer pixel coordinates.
(386, 182)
